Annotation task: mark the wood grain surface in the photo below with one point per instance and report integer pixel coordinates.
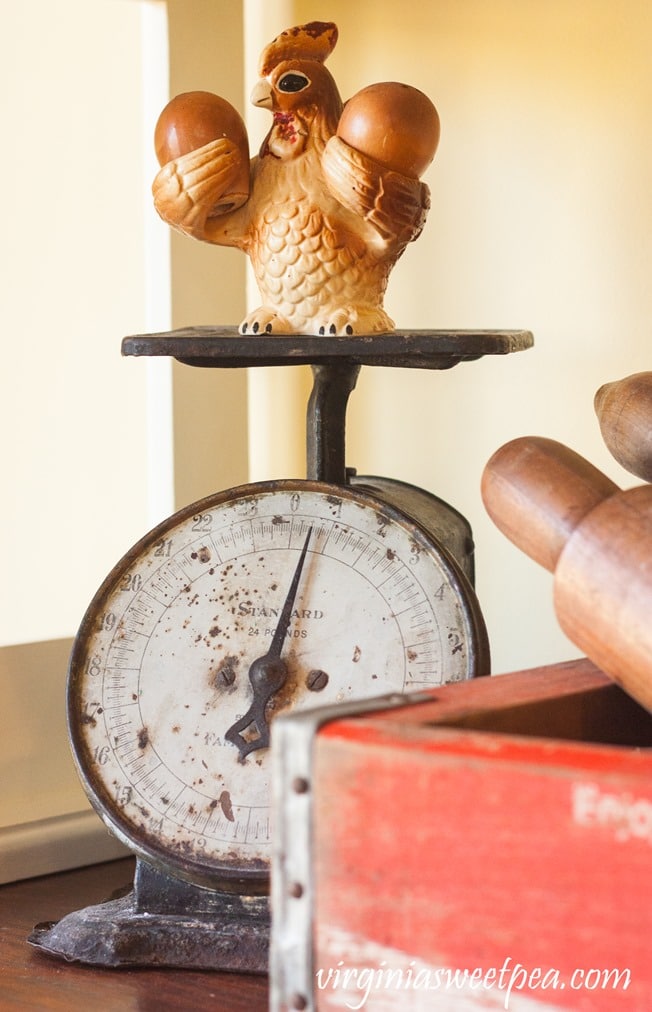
(624, 410)
(537, 491)
(504, 822)
(572, 519)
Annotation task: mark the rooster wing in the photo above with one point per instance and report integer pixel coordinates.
(395, 205)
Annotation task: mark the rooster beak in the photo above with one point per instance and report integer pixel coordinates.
(262, 94)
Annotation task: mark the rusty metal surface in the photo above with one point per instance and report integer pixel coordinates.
(333, 382)
(163, 922)
(224, 347)
(168, 922)
(449, 528)
(120, 731)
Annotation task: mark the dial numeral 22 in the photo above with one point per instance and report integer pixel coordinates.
(202, 522)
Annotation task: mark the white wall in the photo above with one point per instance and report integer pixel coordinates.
(71, 248)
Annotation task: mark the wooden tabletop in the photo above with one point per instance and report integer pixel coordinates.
(33, 982)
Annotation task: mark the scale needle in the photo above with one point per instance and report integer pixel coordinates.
(268, 673)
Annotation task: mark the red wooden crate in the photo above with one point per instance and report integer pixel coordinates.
(487, 847)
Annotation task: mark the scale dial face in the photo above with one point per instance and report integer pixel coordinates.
(266, 598)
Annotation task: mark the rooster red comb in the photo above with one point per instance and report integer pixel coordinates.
(314, 41)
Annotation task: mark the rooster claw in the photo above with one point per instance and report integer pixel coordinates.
(351, 320)
(344, 322)
(265, 321)
(332, 330)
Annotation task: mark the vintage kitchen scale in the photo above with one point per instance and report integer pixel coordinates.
(268, 597)
(280, 595)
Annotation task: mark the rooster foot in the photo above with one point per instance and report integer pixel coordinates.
(265, 321)
(348, 321)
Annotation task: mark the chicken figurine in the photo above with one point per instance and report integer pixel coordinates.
(330, 202)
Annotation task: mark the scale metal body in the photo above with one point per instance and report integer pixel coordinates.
(267, 598)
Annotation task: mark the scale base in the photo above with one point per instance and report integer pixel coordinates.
(164, 922)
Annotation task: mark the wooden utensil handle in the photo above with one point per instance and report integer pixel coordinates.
(572, 519)
(603, 590)
(537, 491)
(624, 411)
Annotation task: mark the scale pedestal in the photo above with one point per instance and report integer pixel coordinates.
(164, 921)
(168, 921)
(335, 364)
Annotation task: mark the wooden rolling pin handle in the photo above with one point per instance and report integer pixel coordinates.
(537, 491)
(603, 590)
(624, 411)
(572, 519)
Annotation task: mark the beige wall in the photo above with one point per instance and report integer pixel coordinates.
(541, 218)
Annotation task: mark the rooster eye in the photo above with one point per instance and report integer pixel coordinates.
(291, 82)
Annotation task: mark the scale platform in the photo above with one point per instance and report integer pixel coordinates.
(226, 348)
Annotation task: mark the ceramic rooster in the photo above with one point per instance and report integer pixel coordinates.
(322, 222)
